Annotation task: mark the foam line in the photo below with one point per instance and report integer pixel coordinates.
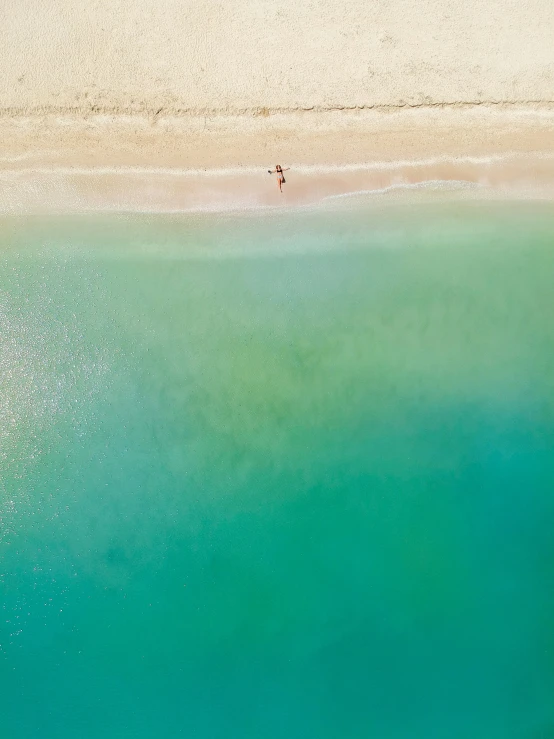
(302, 168)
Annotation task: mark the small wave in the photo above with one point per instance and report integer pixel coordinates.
(444, 185)
(300, 168)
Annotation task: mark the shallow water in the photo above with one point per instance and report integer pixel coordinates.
(278, 477)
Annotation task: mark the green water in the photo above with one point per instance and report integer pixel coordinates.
(271, 477)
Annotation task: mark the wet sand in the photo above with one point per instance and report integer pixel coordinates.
(135, 163)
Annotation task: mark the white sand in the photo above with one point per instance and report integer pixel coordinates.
(240, 55)
(205, 85)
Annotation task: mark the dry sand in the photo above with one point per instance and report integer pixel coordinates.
(184, 104)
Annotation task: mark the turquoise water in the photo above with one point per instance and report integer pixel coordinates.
(271, 477)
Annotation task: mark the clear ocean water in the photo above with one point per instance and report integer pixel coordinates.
(278, 476)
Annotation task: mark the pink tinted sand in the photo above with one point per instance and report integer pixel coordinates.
(136, 164)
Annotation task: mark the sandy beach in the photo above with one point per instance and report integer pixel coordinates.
(185, 105)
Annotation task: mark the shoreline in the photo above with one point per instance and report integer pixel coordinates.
(73, 190)
(188, 164)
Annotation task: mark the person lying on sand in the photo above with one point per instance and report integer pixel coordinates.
(280, 176)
